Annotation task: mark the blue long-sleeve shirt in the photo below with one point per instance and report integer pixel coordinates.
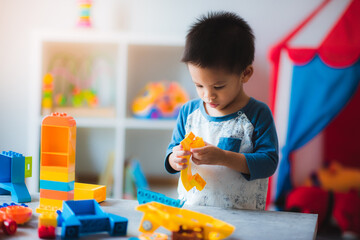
(250, 131)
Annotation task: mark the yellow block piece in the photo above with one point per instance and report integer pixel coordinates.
(49, 205)
(84, 191)
(48, 219)
(158, 214)
(188, 180)
(61, 176)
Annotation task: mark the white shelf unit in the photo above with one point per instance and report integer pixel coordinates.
(137, 61)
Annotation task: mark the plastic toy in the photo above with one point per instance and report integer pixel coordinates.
(152, 236)
(188, 234)
(171, 218)
(57, 161)
(188, 180)
(84, 191)
(48, 88)
(12, 215)
(14, 169)
(145, 196)
(47, 225)
(335, 178)
(85, 7)
(159, 100)
(85, 217)
(344, 208)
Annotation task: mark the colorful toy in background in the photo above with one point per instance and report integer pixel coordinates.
(48, 88)
(85, 10)
(12, 215)
(333, 192)
(343, 209)
(134, 179)
(77, 82)
(188, 180)
(159, 100)
(336, 178)
(174, 219)
(14, 169)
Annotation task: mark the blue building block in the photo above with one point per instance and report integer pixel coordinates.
(145, 196)
(58, 186)
(12, 177)
(85, 217)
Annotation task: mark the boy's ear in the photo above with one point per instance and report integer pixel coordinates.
(247, 73)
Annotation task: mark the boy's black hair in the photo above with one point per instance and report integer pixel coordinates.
(220, 40)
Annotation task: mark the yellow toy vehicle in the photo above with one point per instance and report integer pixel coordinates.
(173, 219)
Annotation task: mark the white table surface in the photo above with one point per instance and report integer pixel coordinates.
(249, 224)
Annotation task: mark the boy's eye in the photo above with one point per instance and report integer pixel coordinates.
(219, 87)
(198, 86)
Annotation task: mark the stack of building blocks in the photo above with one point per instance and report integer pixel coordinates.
(57, 161)
(14, 169)
(47, 224)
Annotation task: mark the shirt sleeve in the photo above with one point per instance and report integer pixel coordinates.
(263, 161)
(177, 136)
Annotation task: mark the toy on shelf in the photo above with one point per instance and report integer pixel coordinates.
(15, 167)
(84, 19)
(48, 88)
(188, 180)
(47, 225)
(145, 196)
(159, 100)
(12, 214)
(86, 216)
(158, 214)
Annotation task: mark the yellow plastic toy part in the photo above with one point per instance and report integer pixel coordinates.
(188, 180)
(158, 214)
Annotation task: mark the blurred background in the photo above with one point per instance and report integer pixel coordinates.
(101, 60)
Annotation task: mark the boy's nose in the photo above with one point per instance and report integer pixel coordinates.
(209, 96)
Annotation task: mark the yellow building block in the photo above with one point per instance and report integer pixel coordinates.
(188, 180)
(58, 176)
(84, 191)
(46, 203)
(160, 215)
(47, 219)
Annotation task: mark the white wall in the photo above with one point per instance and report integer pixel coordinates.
(270, 19)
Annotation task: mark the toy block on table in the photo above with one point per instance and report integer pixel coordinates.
(57, 161)
(86, 216)
(47, 223)
(84, 191)
(145, 196)
(14, 169)
(188, 180)
(172, 218)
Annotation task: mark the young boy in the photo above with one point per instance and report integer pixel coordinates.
(241, 149)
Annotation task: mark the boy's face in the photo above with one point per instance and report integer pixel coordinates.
(221, 91)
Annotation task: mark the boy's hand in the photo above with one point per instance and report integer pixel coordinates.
(178, 159)
(210, 155)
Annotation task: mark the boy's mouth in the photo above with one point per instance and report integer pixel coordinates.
(213, 105)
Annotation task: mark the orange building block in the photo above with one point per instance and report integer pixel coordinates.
(188, 180)
(56, 195)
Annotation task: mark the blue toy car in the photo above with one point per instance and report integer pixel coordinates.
(86, 217)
